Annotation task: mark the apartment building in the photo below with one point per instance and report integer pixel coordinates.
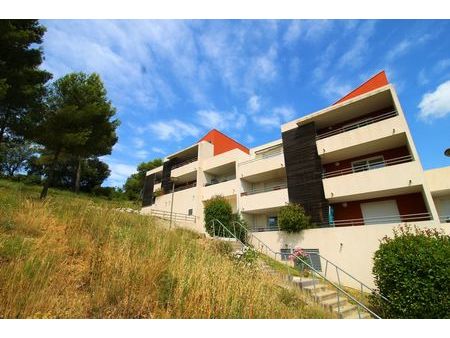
(353, 166)
(353, 163)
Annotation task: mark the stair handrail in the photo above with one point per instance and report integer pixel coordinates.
(330, 262)
(311, 268)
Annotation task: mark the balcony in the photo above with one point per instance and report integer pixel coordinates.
(363, 184)
(258, 191)
(265, 199)
(357, 134)
(184, 167)
(262, 164)
(185, 186)
(224, 188)
(371, 166)
(388, 219)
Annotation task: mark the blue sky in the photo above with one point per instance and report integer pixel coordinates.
(172, 81)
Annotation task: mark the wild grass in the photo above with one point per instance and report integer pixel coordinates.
(77, 257)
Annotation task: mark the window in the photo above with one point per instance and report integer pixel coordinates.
(285, 253)
(314, 258)
(272, 222)
(368, 164)
(190, 212)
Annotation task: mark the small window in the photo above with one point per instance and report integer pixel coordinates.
(368, 164)
(190, 212)
(285, 253)
(314, 258)
(272, 222)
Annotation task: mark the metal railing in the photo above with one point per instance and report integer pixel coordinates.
(184, 187)
(444, 219)
(265, 228)
(424, 216)
(176, 216)
(371, 166)
(207, 184)
(358, 124)
(317, 275)
(181, 164)
(258, 191)
(262, 157)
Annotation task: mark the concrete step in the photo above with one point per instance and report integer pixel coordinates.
(332, 303)
(347, 308)
(315, 289)
(325, 295)
(354, 315)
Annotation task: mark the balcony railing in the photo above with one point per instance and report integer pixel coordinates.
(181, 164)
(358, 124)
(444, 219)
(207, 184)
(176, 216)
(186, 186)
(262, 157)
(256, 228)
(258, 191)
(419, 217)
(368, 166)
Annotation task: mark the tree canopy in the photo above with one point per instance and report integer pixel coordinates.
(77, 121)
(135, 182)
(22, 82)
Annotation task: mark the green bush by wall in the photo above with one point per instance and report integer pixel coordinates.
(412, 270)
(292, 218)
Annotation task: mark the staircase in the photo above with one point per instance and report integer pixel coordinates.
(330, 298)
(330, 295)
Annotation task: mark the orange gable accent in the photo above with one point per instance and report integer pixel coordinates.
(376, 81)
(222, 143)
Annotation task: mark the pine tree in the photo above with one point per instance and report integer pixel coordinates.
(78, 121)
(22, 83)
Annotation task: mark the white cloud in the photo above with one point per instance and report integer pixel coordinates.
(141, 154)
(333, 89)
(398, 50)
(173, 130)
(442, 65)
(310, 30)
(293, 32)
(138, 142)
(119, 171)
(422, 78)
(254, 103)
(435, 105)
(158, 150)
(354, 56)
(278, 116)
(212, 119)
(249, 138)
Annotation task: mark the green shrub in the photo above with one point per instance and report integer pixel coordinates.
(292, 218)
(241, 232)
(218, 208)
(413, 271)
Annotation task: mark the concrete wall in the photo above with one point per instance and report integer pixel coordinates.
(351, 248)
(366, 182)
(438, 180)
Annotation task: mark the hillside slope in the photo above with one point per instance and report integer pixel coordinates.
(74, 257)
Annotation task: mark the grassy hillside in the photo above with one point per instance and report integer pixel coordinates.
(75, 257)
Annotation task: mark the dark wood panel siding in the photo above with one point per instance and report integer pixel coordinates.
(304, 172)
(166, 183)
(147, 197)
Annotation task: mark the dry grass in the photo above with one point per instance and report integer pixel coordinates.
(72, 257)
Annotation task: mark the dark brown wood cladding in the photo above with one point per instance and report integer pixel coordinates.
(166, 183)
(147, 197)
(304, 172)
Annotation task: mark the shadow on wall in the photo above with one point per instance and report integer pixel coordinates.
(290, 239)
